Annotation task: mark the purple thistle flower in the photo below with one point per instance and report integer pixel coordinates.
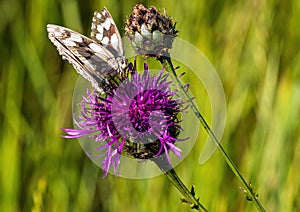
(138, 119)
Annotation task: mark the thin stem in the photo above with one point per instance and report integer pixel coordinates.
(167, 63)
(190, 198)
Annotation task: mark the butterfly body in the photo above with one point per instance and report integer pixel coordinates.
(99, 58)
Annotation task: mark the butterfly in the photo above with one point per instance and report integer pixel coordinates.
(99, 58)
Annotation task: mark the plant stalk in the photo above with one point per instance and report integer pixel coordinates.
(190, 198)
(167, 63)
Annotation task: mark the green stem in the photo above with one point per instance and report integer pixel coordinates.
(190, 198)
(167, 63)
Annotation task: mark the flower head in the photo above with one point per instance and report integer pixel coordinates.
(139, 119)
(150, 32)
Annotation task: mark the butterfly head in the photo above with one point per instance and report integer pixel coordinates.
(122, 61)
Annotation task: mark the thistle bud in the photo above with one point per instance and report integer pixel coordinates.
(151, 33)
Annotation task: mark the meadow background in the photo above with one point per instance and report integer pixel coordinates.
(254, 46)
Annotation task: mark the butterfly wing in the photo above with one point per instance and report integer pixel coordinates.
(105, 32)
(91, 60)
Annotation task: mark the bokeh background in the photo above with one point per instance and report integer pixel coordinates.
(254, 46)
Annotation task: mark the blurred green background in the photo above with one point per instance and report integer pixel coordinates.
(254, 46)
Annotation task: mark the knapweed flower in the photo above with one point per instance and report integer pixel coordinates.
(150, 32)
(139, 119)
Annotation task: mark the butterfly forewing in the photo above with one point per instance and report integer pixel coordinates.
(99, 59)
(90, 59)
(105, 31)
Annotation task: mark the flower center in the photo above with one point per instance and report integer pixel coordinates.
(144, 110)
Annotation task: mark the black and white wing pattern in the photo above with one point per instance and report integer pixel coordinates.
(96, 60)
(105, 31)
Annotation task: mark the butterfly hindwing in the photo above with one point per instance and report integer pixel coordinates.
(105, 31)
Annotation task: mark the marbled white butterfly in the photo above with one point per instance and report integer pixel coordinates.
(98, 59)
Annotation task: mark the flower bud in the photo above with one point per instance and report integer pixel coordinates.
(150, 32)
